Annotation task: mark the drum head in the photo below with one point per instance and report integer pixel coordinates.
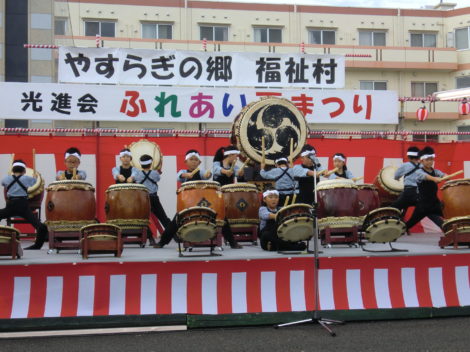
(336, 183)
(457, 182)
(197, 231)
(385, 230)
(142, 147)
(275, 119)
(294, 230)
(38, 187)
(387, 178)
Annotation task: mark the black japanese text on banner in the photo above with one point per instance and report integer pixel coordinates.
(199, 68)
(186, 104)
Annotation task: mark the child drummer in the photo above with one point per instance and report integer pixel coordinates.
(408, 171)
(72, 162)
(125, 173)
(193, 172)
(305, 172)
(268, 227)
(339, 162)
(427, 178)
(150, 179)
(16, 186)
(283, 175)
(192, 160)
(224, 168)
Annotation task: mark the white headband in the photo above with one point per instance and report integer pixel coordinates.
(189, 155)
(339, 157)
(307, 153)
(269, 192)
(230, 152)
(125, 152)
(72, 154)
(18, 164)
(146, 162)
(277, 161)
(412, 153)
(427, 156)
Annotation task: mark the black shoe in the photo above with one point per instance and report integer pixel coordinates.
(235, 245)
(34, 246)
(158, 245)
(151, 241)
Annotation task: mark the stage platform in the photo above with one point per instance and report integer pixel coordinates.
(241, 287)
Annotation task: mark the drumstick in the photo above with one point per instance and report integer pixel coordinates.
(328, 173)
(448, 177)
(286, 201)
(294, 198)
(74, 173)
(34, 159)
(355, 179)
(245, 163)
(192, 173)
(263, 151)
(291, 150)
(11, 163)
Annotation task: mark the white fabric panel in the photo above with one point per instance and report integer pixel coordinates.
(239, 304)
(54, 289)
(408, 282)
(148, 294)
(179, 301)
(325, 285)
(268, 291)
(436, 286)
(297, 290)
(21, 296)
(117, 295)
(209, 293)
(357, 166)
(353, 287)
(382, 291)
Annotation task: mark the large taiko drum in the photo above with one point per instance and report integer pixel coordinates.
(277, 120)
(201, 194)
(368, 197)
(145, 146)
(241, 204)
(295, 222)
(337, 198)
(456, 198)
(127, 202)
(70, 200)
(389, 189)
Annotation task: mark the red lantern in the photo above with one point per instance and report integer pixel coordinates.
(464, 108)
(422, 113)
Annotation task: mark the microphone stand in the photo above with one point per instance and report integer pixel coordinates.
(316, 318)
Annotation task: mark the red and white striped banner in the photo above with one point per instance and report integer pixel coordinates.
(224, 287)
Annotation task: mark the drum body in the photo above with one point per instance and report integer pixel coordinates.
(337, 198)
(368, 197)
(99, 239)
(455, 198)
(295, 222)
(127, 202)
(388, 188)
(383, 225)
(277, 120)
(241, 204)
(70, 201)
(197, 224)
(201, 194)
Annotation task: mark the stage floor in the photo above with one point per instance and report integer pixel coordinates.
(416, 244)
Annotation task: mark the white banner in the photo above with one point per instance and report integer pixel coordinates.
(199, 68)
(186, 104)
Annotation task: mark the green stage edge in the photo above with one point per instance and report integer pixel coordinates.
(223, 320)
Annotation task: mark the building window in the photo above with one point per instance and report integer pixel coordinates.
(429, 137)
(268, 35)
(60, 26)
(156, 31)
(462, 82)
(321, 36)
(462, 38)
(371, 38)
(105, 29)
(214, 33)
(427, 40)
(373, 85)
(463, 129)
(423, 89)
(16, 123)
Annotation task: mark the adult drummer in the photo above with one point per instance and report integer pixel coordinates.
(224, 168)
(427, 178)
(283, 176)
(16, 186)
(124, 173)
(408, 171)
(339, 163)
(269, 239)
(305, 172)
(193, 171)
(72, 162)
(150, 179)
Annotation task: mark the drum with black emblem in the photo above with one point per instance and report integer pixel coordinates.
(241, 204)
(277, 120)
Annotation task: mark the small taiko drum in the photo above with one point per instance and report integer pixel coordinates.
(295, 222)
(389, 189)
(70, 200)
(201, 194)
(337, 198)
(128, 202)
(10, 242)
(456, 198)
(241, 204)
(383, 225)
(368, 197)
(100, 239)
(197, 224)
(460, 223)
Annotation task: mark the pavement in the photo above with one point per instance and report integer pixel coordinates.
(443, 334)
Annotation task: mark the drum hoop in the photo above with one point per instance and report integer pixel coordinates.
(240, 125)
(458, 182)
(367, 186)
(239, 187)
(68, 185)
(390, 190)
(333, 186)
(10, 229)
(384, 221)
(197, 185)
(395, 210)
(68, 225)
(111, 226)
(38, 186)
(129, 186)
(128, 222)
(291, 206)
(455, 219)
(338, 222)
(182, 212)
(297, 219)
(465, 229)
